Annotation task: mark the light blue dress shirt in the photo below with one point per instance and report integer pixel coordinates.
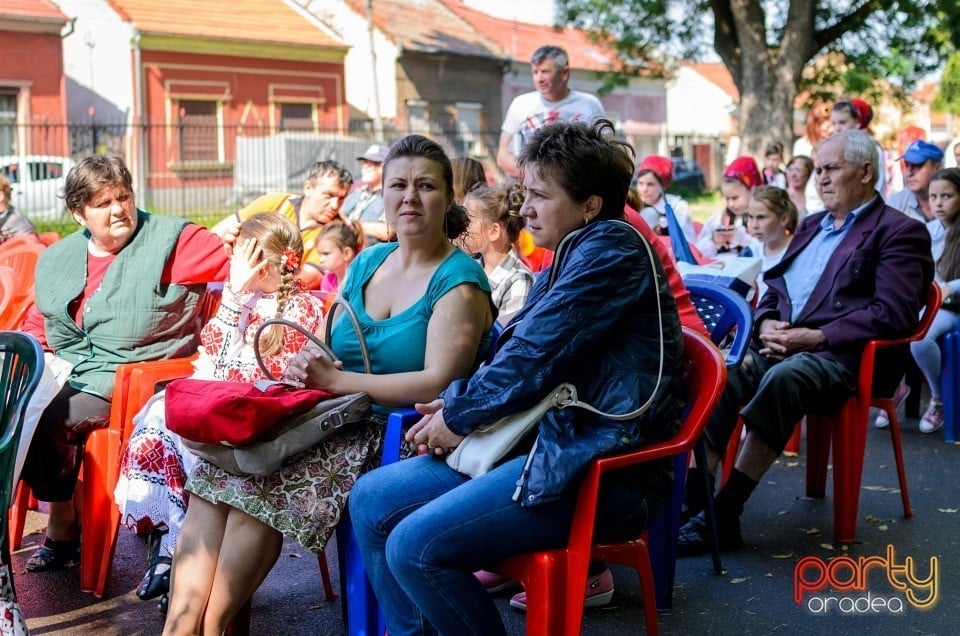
(804, 272)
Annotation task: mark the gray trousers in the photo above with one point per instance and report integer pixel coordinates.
(776, 395)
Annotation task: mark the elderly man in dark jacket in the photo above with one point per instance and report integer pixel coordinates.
(856, 272)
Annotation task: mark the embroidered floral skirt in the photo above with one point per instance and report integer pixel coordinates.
(153, 471)
(306, 498)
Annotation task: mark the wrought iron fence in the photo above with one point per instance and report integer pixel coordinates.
(197, 170)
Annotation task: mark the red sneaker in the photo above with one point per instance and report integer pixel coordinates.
(599, 592)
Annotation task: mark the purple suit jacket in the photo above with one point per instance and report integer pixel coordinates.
(874, 285)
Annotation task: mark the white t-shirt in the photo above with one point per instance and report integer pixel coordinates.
(530, 111)
(768, 260)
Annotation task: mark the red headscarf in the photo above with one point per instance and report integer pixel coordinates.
(744, 170)
(660, 166)
(861, 110)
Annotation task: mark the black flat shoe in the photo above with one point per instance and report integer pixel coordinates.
(156, 580)
(694, 536)
(54, 555)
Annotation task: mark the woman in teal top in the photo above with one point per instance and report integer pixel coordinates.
(398, 343)
(425, 311)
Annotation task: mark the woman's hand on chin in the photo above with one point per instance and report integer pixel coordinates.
(431, 434)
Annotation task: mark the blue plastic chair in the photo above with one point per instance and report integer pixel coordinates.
(20, 370)
(722, 310)
(726, 315)
(361, 611)
(950, 386)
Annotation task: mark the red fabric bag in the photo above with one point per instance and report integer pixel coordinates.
(232, 413)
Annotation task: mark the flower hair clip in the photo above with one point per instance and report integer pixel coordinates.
(289, 260)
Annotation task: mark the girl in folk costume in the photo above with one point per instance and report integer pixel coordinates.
(653, 179)
(155, 464)
(726, 232)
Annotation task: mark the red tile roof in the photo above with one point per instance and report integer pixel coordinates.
(425, 25)
(520, 39)
(926, 92)
(243, 20)
(717, 74)
(31, 9)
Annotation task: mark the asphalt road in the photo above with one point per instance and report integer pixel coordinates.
(754, 596)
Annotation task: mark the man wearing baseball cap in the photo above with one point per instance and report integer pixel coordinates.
(365, 203)
(920, 161)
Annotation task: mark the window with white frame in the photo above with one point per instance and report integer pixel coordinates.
(294, 116)
(8, 121)
(418, 117)
(468, 139)
(198, 130)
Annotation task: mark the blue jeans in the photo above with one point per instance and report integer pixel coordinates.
(423, 529)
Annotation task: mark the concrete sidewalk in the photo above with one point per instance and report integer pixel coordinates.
(754, 596)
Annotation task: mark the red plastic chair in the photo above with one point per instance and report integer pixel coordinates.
(49, 238)
(8, 291)
(555, 579)
(18, 240)
(847, 431)
(22, 259)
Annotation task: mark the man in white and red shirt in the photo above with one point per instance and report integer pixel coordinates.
(552, 101)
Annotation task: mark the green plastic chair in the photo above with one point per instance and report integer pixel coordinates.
(21, 365)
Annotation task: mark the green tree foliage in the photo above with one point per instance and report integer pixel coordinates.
(766, 44)
(948, 97)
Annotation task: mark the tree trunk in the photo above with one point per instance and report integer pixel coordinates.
(766, 76)
(766, 115)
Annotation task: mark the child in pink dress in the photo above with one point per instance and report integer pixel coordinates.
(337, 245)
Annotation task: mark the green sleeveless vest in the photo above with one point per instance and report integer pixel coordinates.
(131, 317)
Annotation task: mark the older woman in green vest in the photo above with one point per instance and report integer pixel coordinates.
(125, 288)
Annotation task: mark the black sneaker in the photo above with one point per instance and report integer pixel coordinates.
(694, 536)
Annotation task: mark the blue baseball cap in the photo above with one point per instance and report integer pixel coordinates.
(920, 152)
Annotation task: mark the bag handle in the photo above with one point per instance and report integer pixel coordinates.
(339, 302)
(313, 338)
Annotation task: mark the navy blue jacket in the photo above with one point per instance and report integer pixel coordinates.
(596, 328)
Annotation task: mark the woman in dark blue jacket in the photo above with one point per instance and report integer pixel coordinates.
(424, 528)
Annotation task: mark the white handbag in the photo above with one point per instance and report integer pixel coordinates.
(486, 445)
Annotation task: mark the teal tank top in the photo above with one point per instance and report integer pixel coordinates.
(398, 344)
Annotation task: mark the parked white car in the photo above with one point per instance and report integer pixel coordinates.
(37, 180)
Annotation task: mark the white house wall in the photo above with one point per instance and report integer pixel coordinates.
(697, 106)
(352, 29)
(98, 57)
